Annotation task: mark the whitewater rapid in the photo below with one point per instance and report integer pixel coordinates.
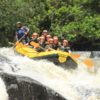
(79, 84)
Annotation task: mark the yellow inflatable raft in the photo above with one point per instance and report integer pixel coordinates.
(60, 58)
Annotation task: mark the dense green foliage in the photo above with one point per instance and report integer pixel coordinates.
(67, 18)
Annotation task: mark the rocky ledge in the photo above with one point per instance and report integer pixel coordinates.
(23, 88)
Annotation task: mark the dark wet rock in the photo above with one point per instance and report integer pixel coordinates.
(95, 54)
(23, 88)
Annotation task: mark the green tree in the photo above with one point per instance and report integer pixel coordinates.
(30, 12)
(68, 18)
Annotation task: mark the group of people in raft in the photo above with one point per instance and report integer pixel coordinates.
(45, 41)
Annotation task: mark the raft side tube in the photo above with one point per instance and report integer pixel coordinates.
(59, 58)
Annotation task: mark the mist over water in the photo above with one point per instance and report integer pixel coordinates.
(79, 84)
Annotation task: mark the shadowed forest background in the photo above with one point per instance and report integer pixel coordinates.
(75, 20)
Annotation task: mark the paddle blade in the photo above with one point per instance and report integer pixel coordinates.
(89, 63)
(17, 43)
(76, 56)
(35, 44)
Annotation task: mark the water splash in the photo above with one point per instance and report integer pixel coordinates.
(79, 84)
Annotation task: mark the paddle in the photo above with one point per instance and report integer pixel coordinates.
(18, 40)
(76, 56)
(34, 44)
(89, 63)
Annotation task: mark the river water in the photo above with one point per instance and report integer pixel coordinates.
(79, 84)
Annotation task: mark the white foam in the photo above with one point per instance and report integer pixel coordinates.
(65, 82)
